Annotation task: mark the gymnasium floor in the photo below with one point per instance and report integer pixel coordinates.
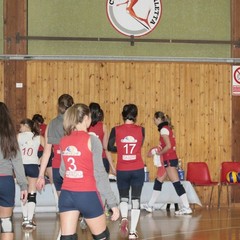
(203, 224)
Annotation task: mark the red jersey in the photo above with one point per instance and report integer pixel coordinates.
(78, 160)
(129, 139)
(98, 130)
(57, 156)
(171, 153)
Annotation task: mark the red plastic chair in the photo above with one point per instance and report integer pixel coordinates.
(227, 167)
(198, 174)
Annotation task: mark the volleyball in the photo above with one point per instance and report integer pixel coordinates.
(238, 177)
(232, 177)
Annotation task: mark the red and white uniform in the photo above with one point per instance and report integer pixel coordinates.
(129, 140)
(171, 153)
(98, 130)
(78, 161)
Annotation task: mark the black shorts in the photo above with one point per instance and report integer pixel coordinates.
(170, 163)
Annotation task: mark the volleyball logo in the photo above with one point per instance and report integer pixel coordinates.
(134, 17)
(232, 177)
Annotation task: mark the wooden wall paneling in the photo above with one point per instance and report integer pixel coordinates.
(78, 82)
(70, 76)
(182, 131)
(62, 83)
(47, 95)
(104, 85)
(52, 95)
(203, 138)
(102, 96)
(93, 83)
(1, 81)
(34, 89)
(152, 89)
(126, 86)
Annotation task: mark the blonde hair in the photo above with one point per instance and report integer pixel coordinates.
(73, 116)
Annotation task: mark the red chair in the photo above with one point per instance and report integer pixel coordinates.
(227, 167)
(198, 174)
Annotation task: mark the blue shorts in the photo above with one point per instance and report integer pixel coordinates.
(57, 179)
(127, 179)
(31, 170)
(88, 204)
(7, 191)
(170, 163)
(40, 153)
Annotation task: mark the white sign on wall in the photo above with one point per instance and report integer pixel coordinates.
(134, 17)
(236, 80)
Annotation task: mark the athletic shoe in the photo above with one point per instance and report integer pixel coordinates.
(124, 228)
(147, 208)
(83, 224)
(133, 235)
(25, 221)
(30, 225)
(184, 211)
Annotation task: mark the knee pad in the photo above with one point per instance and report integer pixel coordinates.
(179, 188)
(69, 237)
(157, 185)
(102, 236)
(6, 225)
(135, 203)
(32, 197)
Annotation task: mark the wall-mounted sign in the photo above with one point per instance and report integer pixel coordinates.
(236, 80)
(134, 17)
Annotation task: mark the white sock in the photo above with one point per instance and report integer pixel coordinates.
(24, 209)
(135, 213)
(31, 210)
(154, 197)
(184, 200)
(124, 209)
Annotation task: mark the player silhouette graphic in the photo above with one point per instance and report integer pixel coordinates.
(130, 5)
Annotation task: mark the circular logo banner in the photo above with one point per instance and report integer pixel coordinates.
(134, 17)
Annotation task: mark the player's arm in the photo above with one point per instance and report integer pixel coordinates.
(111, 141)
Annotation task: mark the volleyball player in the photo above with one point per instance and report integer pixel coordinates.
(79, 192)
(170, 159)
(29, 140)
(127, 140)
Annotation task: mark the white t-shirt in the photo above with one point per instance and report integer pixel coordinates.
(164, 131)
(29, 147)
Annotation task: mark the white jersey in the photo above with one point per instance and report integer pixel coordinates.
(29, 147)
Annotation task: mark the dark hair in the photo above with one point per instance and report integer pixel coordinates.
(8, 137)
(164, 118)
(38, 118)
(34, 126)
(101, 115)
(130, 112)
(73, 116)
(96, 113)
(64, 102)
